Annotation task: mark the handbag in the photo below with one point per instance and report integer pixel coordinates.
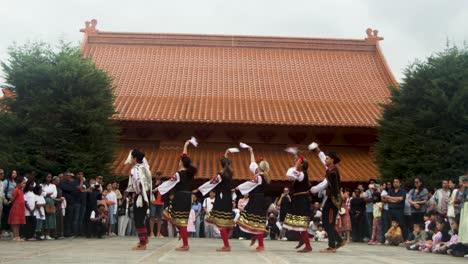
(50, 209)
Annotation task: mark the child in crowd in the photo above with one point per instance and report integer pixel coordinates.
(320, 234)
(313, 226)
(419, 237)
(377, 223)
(442, 235)
(394, 236)
(39, 212)
(427, 221)
(445, 246)
(98, 221)
(30, 199)
(17, 212)
(112, 202)
(428, 243)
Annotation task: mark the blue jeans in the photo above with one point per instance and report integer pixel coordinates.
(197, 226)
(76, 219)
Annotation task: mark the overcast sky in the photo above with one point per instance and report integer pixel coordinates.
(411, 28)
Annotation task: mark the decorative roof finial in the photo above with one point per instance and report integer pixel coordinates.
(90, 27)
(372, 35)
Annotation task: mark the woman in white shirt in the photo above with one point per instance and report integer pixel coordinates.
(49, 192)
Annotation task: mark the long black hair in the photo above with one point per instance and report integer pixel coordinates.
(26, 187)
(187, 163)
(227, 172)
(138, 155)
(422, 183)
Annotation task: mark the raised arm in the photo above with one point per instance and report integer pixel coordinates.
(252, 155)
(187, 143)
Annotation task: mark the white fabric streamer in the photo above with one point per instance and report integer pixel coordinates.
(243, 145)
(129, 158)
(194, 141)
(233, 150)
(292, 150)
(313, 146)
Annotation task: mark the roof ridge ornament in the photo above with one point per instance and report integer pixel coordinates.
(90, 27)
(372, 35)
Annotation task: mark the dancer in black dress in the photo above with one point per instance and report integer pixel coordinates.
(178, 212)
(221, 215)
(253, 218)
(298, 218)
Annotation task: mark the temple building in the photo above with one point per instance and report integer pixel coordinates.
(269, 92)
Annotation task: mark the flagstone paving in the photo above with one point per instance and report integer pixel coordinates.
(161, 250)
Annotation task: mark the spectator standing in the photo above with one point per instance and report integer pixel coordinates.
(441, 198)
(370, 206)
(171, 232)
(39, 213)
(93, 195)
(462, 199)
(241, 205)
(30, 206)
(9, 185)
(345, 223)
(377, 220)
(49, 192)
(358, 211)
(284, 204)
(207, 206)
(196, 207)
(60, 205)
(17, 217)
(396, 204)
(112, 202)
(407, 211)
(453, 209)
(418, 198)
(84, 190)
(71, 190)
(123, 215)
(157, 208)
(386, 220)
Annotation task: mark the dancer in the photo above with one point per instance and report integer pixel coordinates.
(253, 218)
(298, 218)
(332, 204)
(140, 185)
(221, 215)
(178, 212)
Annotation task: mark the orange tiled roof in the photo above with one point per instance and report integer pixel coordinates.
(242, 79)
(357, 164)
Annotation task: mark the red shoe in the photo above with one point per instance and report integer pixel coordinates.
(139, 247)
(224, 249)
(301, 243)
(253, 240)
(328, 250)
(259, 248)
(182, 248)
(305, 250)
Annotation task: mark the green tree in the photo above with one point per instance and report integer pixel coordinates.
(424, 129)
(61, 114)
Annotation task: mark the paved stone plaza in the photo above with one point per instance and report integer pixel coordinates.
(117, 250)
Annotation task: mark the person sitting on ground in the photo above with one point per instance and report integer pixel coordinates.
(428, 243)
(441, 236)
(99, 221)
(394, 236)
(445, 246)
(320, 234)
(419, 237)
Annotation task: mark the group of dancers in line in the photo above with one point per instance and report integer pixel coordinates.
(252, 220)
